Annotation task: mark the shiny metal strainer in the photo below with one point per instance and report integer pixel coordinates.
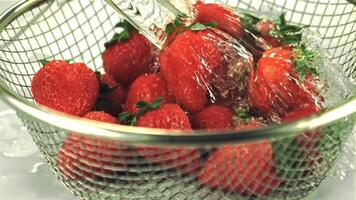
(103, 161)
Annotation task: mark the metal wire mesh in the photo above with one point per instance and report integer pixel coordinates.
(99, 169)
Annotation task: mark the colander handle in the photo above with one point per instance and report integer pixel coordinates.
(149, 17)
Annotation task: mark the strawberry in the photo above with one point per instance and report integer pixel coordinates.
(244, 168)
(227, 20)
(279, 85)
(69, 88)
(169, 116)
(111, 95)
(264, 27)
(212, 118)
(186, 65)
(128, 55)
(83, 157)
(274, 33)
(306, 140)
(147, 88)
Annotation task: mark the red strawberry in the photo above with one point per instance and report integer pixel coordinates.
(101, 117)
(186, 65)
(227, 20)
(306, 140)
(128, 55)
(245, 169)
(112, 96)
(169, 116)
(212, 118)
(264, 27)
(70, 88)
(278, 87)
(147, 88)
(83, 157)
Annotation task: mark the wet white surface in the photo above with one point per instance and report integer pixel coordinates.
(24, 175)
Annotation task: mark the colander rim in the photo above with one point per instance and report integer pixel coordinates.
(140, 135)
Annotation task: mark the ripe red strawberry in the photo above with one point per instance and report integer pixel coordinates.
(101, 117)
(306, 140)
(70, 88)
(186, 65)
(245, 169)
(213, 117)
(128, 55)
(169, 116)
(227, 20)
(111, 96)
(147, 88)
(264, 27)
(278, 86)
(83, 157)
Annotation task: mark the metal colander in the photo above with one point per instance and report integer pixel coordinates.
(101, 161)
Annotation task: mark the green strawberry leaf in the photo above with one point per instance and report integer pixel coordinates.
(201, 26)
(281, 21)
(242, 115)
(250, 22)
(142, 104)
(156, 104)
(143, 108)
(172, 26)
(287, 34)
(125, 117)
(123, 35)
(44, 62)
(305, 62)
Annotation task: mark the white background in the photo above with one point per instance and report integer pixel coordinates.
(24, 175)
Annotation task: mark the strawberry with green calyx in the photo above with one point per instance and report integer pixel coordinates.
(278, 87)
(111, 95)
(71, 88)
(196, 61)
(274, 33)
(147, 88)
(143, 107)
(125, 34)
(128, 55)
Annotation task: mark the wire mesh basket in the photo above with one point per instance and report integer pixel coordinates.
(101, 161)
